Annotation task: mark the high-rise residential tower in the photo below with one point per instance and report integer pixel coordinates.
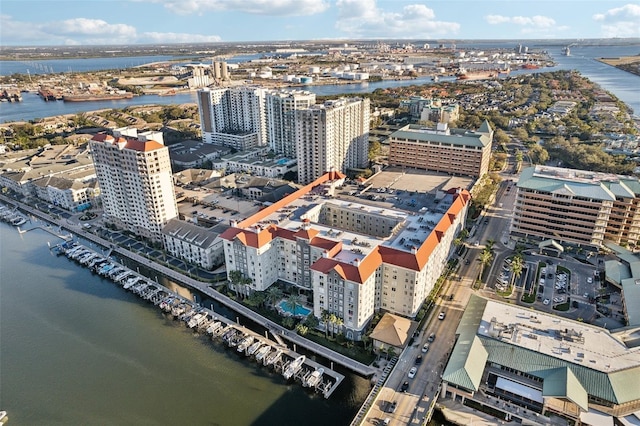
(280, 108)
(233, 117)
(136, 183)
(333, 136)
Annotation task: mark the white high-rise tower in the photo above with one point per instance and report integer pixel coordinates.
(332, 136)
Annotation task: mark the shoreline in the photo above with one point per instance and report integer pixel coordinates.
(630, 64)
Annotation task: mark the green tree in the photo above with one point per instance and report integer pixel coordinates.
(516, 267)
(274, 294)
(294, 302)
(485, 259)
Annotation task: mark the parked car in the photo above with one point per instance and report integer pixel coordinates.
(545, 302)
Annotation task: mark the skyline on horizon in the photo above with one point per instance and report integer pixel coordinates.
(132, 22)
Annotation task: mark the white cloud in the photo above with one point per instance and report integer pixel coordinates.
(83, 31)
(620, 21)
(153, 37)
(363, 18)
(537, 21)
(256, 7)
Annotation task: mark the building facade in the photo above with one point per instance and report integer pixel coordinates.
(135, 182)
(280, 107)
(354, 259)
(452, 151)
(577, 207)
(233, 115)
(194, 244)
(332, 136)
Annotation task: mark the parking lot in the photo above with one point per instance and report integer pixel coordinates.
(564, 286)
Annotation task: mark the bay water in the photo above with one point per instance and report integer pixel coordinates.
(77, 349)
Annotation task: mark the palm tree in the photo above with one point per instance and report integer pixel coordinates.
(485, 259)
(332, 320)
(293, 302)
(338, 323)
(326, 315)
(302, 329)
(274, 294)
(235, 277)
(516, 266)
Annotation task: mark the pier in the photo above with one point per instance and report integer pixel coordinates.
(279, 357)
(286, 335)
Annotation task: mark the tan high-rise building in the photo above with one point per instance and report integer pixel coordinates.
(577, 206)
(136, 183)
(453, 151)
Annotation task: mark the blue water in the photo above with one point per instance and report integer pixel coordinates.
(299, 311)
(76, 349)
(620, 83)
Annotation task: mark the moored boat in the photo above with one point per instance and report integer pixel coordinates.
(293, 367)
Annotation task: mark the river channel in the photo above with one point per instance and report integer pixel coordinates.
(76, 349)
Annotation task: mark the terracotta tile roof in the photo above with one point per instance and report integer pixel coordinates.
(306, 234)
(143, 146)
(362, 270)
(329, 176)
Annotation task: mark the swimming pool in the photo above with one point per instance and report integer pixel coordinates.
(300, 311)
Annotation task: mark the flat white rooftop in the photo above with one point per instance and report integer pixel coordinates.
(571, 341)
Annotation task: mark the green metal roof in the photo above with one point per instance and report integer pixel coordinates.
(618, 387)
(468, 357)
(562, 383)
(467, 364)
(578, 183)
(420, 134)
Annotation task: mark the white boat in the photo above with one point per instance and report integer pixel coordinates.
(18, 221)
(254, 347)
(293, 367)
(213, 327)
(262, 352)
(314, 378)
(273, 357)
(244, 344)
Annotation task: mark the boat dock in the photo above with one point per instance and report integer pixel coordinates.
(269, 350)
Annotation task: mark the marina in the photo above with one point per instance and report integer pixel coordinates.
(276, 354)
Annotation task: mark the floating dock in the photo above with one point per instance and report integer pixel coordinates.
(291, 365)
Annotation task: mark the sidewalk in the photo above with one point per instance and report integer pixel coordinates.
(460, 414)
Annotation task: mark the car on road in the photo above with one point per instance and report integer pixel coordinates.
(404, 387)
(425, 348)
(441, 316)
(412, 373)
(545, 302)
(589, 280)
(419, 359)
(431, 337)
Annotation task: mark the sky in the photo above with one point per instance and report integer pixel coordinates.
(127, 22)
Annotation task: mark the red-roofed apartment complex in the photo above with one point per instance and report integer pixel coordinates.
(355, 258)
(136, 184)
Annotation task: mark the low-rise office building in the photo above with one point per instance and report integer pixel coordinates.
(577, 206)
(531, 366)
(453, 151)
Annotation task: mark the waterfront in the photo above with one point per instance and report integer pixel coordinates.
(620, 83)
(78, 349)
